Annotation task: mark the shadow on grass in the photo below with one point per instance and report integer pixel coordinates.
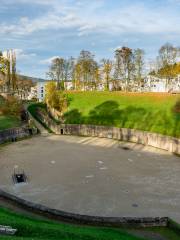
(107, 113)
(74, 117)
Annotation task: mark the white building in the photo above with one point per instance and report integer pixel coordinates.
(155, 84)
(38, 91)
(68, 85)
(174, 87)
(41, 90)
(32, 93)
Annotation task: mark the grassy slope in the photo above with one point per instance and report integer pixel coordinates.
(8, 122)
(29, 228)
(149, 112)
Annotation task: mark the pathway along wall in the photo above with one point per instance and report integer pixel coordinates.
(122, 134)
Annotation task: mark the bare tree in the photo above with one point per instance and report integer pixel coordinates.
(138, 66)
(69, 69)
(168, 54)
(86, 67)
(118, 71)
(97, 77)
(13, 71)
(56, 72)
(107, 68)
(8, 68)
(124, 65)
(77, 76)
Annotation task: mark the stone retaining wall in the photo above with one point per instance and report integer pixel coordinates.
(13, 134)
(84, 219)
(122, 134)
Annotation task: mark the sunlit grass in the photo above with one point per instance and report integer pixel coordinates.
(150, 112)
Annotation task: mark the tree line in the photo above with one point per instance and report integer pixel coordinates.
(125, 72)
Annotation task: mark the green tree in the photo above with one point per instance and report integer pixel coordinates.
(167, 58)
(55, 98)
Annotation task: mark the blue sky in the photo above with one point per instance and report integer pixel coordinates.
(42, 29)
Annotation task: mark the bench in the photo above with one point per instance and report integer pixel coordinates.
(7, 230)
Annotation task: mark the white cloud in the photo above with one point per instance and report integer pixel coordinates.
(22, 55)
(133, 19)
(49, 21)
(48, 60)
(136, 18)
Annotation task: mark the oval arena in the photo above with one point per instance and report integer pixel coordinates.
(93, 176)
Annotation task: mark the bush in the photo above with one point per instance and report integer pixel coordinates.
(177, 107)
(56, 99)
(11, 107)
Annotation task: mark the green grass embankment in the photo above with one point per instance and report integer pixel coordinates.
(31, 228)
(151, 112)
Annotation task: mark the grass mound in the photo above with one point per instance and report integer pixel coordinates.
(148, 112)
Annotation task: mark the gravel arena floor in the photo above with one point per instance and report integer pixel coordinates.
(94, 176)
